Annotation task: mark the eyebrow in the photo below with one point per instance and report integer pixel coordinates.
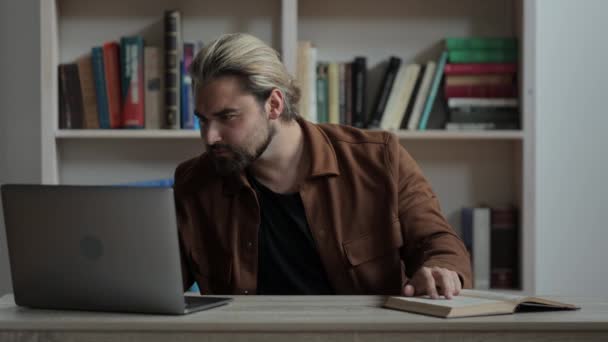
(218, 113)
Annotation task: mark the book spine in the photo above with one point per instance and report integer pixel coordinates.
(482, 56)
(112, 75)
(488, 116)
(480, 68)
(132, 81)
(322, 93)
(480, 79)
(481, 247)
(496, 90)
(302, 76)
(348, 90)
(187, 110)
(342, 92)
(72, 96)
(87, 89)
(334, 90)
(359, 84)
(504, 248)
(153, 88)
(384, 91)
(100, 87)
(481, 43)
(482, 102)
(428, 106)
(423, 92)
(312, 83)
(173, 44)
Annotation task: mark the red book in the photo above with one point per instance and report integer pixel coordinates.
(479, 68)
(480, 90)
(112, 72)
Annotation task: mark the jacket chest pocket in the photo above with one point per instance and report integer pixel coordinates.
(375, 262)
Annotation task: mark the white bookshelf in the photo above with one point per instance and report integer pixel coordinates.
(465, 168)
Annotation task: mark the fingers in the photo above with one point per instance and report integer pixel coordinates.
(444, 281)
(433, 282)
(409, 290)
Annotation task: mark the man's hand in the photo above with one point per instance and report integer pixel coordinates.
(433, 281)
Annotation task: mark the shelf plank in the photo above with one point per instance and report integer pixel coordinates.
(193, 134)
(127, 134)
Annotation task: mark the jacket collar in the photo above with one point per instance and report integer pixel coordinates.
(322, 156)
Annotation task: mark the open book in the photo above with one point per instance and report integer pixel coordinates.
(475, 303)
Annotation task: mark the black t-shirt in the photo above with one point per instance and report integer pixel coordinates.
(288, 261)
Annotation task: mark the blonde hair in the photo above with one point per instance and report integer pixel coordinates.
(251, 59)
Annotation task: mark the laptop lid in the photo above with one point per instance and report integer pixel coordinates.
(99, 248)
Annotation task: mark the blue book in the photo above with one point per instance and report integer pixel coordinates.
(428, 106)
(100, 87)
(187, 114)
(164, 183)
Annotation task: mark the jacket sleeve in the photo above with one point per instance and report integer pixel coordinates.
(429, 240)
(188, 217)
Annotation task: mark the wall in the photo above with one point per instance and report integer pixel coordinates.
(19, 104)
(571, 162)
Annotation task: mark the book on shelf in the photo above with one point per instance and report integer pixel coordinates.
(430, 101)
(482, 56)
(87, 91)
(306, 59)
(173, 57)
(186, 98)
(505, 248)
(481, 43)
(153, 91)
(475, 229)
(111, 63)
(132, 81)
(480, 68)
(322, 93)
(70, 97)
(400, 95)
(359, 78)
(421, 95)
(476, 303)
(333, 93)
(384, 91)
(100, 86)
(479, 126)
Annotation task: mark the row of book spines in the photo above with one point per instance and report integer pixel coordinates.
(121, 87)
(493, 233)
(340, 92)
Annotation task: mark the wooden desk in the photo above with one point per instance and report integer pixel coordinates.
(298, 318)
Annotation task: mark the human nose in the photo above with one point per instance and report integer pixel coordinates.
(211, 133)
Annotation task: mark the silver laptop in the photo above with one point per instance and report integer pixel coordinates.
(97, 248)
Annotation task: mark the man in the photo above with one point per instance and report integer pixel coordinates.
(278, 205)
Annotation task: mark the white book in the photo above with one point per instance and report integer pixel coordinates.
(400, 96)
(482, 102)
(312, 85)
(423, 93)
(153, 88)
(302, 77)
(481, 248)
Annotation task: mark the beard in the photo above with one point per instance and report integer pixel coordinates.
(229, 159)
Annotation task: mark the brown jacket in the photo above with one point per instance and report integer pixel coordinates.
(374, 217)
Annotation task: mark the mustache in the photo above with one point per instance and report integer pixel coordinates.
(220, 147)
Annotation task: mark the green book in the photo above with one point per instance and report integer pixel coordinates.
(481, 43)
(322, 94)
(482, 56)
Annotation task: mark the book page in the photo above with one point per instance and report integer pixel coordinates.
(491, 295)
(455, 302)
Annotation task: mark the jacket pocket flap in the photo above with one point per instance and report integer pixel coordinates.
(367, 248)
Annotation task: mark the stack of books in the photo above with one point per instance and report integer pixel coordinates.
(481, 84)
